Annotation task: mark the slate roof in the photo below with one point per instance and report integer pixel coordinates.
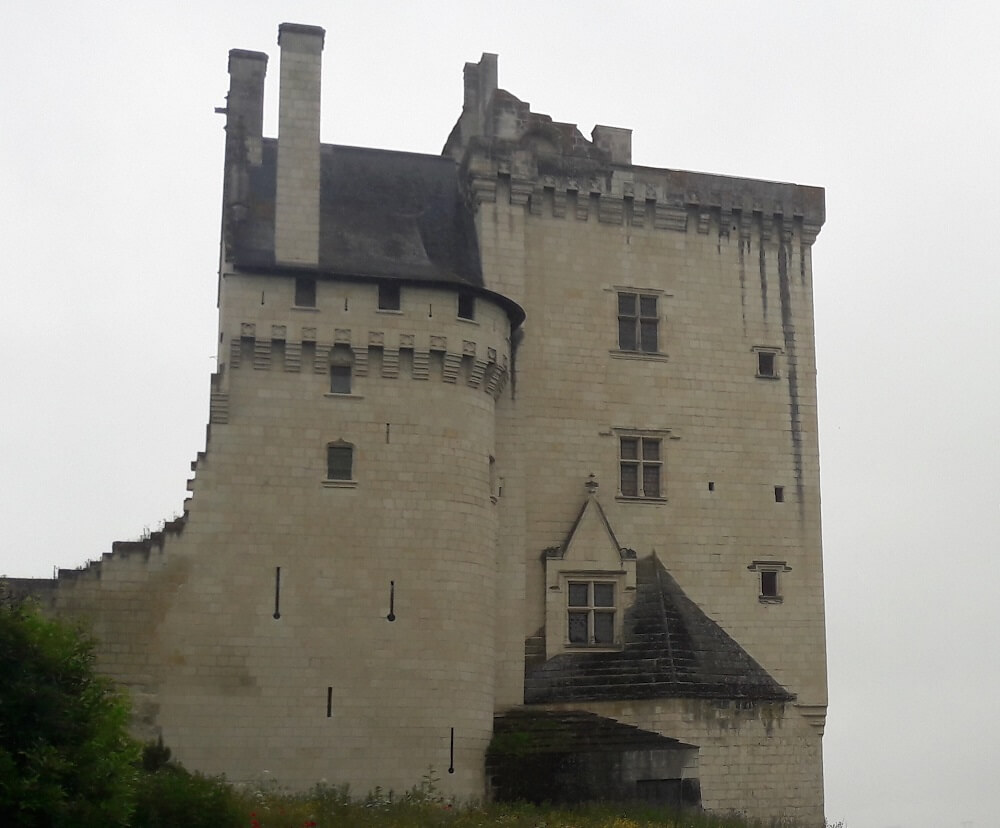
(671, 650)
(383, 215)
(577, 731)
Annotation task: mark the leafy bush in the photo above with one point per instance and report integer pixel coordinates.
(171, 796)
(65, 755)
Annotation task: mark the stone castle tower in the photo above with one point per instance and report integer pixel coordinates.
(516, 439)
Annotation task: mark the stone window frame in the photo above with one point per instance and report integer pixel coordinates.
(335, 477)
(766, 364)
(661, 297)
(559, 573)
(769, 580)
(660, 437)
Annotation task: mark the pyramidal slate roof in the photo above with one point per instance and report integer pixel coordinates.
(383, 214)
(671, 650)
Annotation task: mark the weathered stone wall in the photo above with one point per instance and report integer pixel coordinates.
(761, 759)
(254, 632)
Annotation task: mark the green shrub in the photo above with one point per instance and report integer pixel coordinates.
(172, 797)
(65, 755)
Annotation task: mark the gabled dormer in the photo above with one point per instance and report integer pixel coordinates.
(589, 583)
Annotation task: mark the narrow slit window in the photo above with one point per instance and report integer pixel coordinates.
(779, 494)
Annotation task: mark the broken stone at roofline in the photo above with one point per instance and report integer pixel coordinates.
(671, 650)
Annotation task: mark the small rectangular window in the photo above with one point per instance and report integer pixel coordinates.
(340, 379)
(388, 297)
(769, 579)
(466, 306)
(779, 494)
(766, 364)
(305, 292)
(638, 322)
(339, 461)
(769, 584)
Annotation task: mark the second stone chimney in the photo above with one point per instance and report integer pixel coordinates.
(296, 209)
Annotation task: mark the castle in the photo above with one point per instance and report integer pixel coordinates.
(518, 440)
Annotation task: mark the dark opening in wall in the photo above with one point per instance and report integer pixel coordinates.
(768, 584)
(711, 485)
(305, 292)
(466, 306)
(766, 364)
(339, 461)
(779, 494)
(388, 297)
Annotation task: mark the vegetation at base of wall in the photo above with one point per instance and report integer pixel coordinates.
(65, 755)
(66, 761)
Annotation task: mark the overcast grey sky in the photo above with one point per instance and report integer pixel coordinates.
(111, 159)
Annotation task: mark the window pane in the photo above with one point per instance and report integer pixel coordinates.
(604, 595)
(626, 304)
(765, 364)
(388, 297)
(647, 306)
(630, 448)
(466, 306)
(769, 584)
(650, 449)
(651, 481)
(305, 293)
(340, 379)
(338, 462)
(626, 334)
(630, 480)
(578, 595)
(647, 334)
(578, 627)
(604, 628)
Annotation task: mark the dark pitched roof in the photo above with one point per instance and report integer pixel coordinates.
(672, 650)
(383, 214)
(577, 731)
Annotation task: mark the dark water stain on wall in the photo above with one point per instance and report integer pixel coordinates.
(743, 285)
(788, 333)
(763, 278)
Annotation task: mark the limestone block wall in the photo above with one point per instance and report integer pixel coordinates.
(722, 291)
(256, 633)
(763, 760)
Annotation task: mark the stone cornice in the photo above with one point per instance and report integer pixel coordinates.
(644, 196)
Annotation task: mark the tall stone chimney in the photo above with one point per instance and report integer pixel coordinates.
(296, 209)
(244, 130)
